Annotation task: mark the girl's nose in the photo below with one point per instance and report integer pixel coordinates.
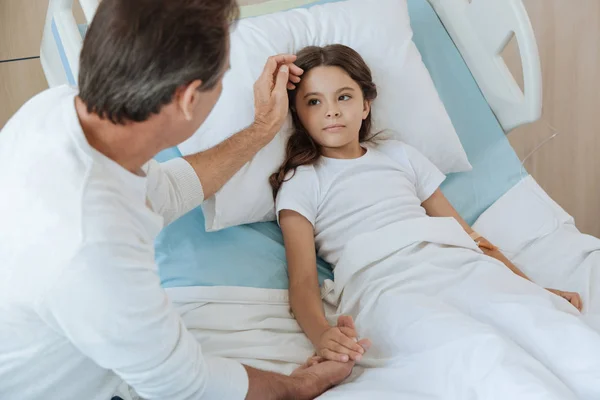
(333, 113)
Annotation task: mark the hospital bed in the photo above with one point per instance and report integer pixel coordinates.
(230, 286)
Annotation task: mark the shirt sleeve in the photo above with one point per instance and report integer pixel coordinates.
(428, 177)
(173, 188)
(300, 193)
(110, 306)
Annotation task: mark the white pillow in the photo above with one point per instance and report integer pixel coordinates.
(408, 102)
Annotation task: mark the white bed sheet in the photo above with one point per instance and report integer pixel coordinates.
(255, 326)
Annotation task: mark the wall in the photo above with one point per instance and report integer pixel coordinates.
(568, 167)
(21, 75)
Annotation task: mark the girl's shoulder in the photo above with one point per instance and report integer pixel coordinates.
(301, 178)
(301, 172)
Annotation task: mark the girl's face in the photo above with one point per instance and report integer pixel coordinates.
(331, 107)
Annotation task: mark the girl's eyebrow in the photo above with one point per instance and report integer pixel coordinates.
(344, 89)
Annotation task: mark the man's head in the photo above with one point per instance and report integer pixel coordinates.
(145, 57)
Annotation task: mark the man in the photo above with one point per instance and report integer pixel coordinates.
(81, 307)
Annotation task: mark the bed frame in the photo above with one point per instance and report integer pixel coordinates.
(481, 29)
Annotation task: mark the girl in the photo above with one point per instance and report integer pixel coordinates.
(337, 184)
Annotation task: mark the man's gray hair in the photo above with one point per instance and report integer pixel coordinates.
(136, 53)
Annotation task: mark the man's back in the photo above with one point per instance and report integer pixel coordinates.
(80, 296)
(43, 175)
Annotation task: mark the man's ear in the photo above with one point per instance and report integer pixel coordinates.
(187, 98)
(366, 109)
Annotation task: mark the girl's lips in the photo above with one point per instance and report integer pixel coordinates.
(334, 128)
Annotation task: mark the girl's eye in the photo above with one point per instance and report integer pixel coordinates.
(345, 97)
(313, 102)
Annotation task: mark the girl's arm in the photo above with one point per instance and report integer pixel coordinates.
(439, 206)
(334, 343)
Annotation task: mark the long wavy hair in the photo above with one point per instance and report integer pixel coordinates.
(301, 148)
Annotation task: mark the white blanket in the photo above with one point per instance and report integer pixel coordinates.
(461, 323)
(542, 240)
(446, 322)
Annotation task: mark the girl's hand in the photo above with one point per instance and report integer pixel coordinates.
(571, 297)
(339, 343)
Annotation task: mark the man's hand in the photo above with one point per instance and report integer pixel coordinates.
(270, 93)
(339, 343)
(307, 382)
(571, 297)
(320, 376)
(310, 380)
(217, 165)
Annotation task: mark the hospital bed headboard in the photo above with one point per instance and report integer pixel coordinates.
(480, 29)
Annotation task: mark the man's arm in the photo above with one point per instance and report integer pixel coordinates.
(216, 166)
(178, 186)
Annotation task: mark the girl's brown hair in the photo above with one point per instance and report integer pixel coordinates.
(301, 148)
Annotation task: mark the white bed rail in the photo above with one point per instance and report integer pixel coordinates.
(481, 29)
(89, 8)
(62, 41)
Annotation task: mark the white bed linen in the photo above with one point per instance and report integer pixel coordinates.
(542, 240)
(455, 356)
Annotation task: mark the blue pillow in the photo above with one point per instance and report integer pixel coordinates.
(251, 255)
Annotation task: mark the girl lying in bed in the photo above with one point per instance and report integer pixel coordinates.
(339, 184)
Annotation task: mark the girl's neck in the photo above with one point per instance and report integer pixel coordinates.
(347, 152)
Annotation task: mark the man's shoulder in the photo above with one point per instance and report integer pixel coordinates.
(39, 143)
(40, 109)
(43, 173)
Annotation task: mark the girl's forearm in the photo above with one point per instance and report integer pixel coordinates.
(307, 307)
(502, 258)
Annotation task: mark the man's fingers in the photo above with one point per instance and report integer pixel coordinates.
(282, 80)
(283, 58)
(313, 361)
(295, 70)
(365, 344)
(293, 80)
(272, 66)
(333, 356)
(289, 60)
(274, 62)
